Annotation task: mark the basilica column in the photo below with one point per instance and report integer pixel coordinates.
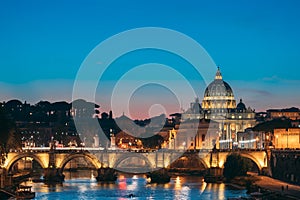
(230, 136)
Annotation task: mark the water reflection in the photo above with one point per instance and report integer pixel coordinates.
(177, 183)
(214, 189)
(202, 187)
(80, 186)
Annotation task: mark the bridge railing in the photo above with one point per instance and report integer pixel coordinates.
(91, 149)
(117, 150)
(287, 150)
(240, 150)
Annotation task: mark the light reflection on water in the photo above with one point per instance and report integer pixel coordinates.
(81, 186)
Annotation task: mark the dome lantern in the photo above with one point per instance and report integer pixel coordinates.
(218, 74)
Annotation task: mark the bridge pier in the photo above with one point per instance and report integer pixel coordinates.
(106, 175)
(265, 171)
(214, 175)
(53, 175)
(5, 178)
(159, 176)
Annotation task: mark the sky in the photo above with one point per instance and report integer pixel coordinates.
(256, 44)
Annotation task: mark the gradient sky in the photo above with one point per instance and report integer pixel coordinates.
(256, 43)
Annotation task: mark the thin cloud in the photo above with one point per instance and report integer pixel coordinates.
(255, 92)
(272, 78)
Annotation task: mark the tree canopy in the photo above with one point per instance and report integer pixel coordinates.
(269, 126)
(5, 126)
(235, 165)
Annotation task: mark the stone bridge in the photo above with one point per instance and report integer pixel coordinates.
(138, 161)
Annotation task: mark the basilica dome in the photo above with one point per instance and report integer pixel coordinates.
(218, 94)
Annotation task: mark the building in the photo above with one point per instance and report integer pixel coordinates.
(287, 138)
(219, 105)
(125, 140)
(195, 134)
(250, 139)
(296, 123)
(83, 109)
(290, 113)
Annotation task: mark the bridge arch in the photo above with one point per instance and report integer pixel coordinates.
(252, 158)
(191, 161)
(13, 160)
(93, 159)
(146, 168)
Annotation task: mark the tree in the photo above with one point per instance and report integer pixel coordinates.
(14, 140)
(104, 116)
(5, 126)
(269, 126)
(153, 142)
(235, 165)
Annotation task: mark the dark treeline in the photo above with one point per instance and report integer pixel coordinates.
(43, 122)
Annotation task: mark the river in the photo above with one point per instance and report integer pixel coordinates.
(82, 185)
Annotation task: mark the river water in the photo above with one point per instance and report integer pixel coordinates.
(82, 185)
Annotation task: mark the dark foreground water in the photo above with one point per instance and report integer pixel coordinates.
(133, 187)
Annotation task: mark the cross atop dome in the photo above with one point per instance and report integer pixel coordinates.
(218, 74)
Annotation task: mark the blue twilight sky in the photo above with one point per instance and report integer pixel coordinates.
(256, 43)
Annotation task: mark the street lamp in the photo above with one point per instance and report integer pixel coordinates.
(31, 141)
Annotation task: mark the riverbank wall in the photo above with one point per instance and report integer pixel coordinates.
(285, 165)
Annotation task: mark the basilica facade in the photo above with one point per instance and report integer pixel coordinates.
(219, 105)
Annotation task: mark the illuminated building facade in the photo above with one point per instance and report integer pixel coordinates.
(220, 106)
(250, 139)
(194, 134)
(290, 113)
(287, 138)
